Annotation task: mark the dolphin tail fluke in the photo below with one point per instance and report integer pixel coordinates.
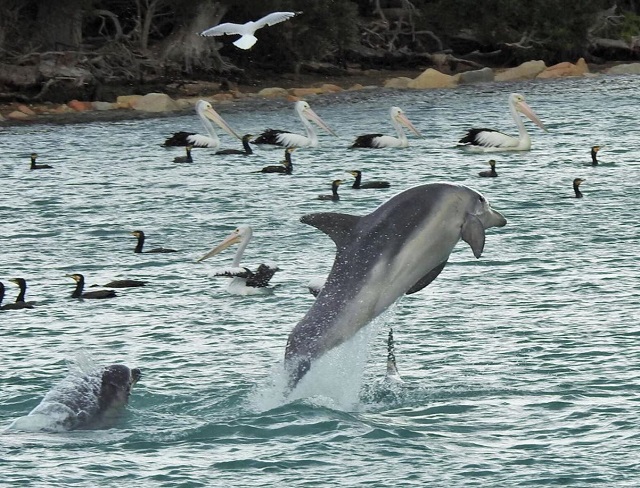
(297, 371)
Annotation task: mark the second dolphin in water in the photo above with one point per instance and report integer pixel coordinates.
(399, 248)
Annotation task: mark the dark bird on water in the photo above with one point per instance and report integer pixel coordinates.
(77, 293)
(187, 158)
(358, 185)
(246, 151)
(285, 167)
(38, 166)
(123, 284)
(140, 235)
(22, 283)
(11, 306)
(490, 173)
(255, 279)
(334, 192)
(594, 155)
(576, 187)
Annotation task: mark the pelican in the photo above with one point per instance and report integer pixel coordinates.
(245, 281)
(207, 114)
(489, 140)
(247, 31)
(398, 119)
(287, 139)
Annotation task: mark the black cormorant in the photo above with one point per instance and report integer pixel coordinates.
(245, 144)
(187, 158)
(11, 306)
(140, 235)
(357, 184)
(334, 192)
(286, 166)
(21, 282)
(491, 173)
(123, 284)
(576, 187)
(77, 293)
(594, 155)
(38, 166)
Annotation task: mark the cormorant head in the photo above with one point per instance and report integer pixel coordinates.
(76, 277)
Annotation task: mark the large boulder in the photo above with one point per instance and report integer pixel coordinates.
(483, 75)
(565, 69)
(431, 78)
(155, 102)
(526, 71)
(625, 69)
(273, 92)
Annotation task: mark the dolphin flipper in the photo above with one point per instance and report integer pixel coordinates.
(473, 234)
(426, 279)
(338, 226)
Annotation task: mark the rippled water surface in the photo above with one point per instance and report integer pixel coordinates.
(521, 368)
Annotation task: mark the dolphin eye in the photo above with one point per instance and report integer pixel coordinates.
(481, 198)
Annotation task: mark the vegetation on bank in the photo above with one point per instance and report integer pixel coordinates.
(76, 48)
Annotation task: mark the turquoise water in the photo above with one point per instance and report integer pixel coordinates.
(521, 368)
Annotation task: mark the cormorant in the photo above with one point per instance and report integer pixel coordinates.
(77, 293)
(334, 192)
(357, 184)
(140, 235)
(286, 166)
(576, 187)
(21, 282)
(38, 166)
(123, 284)
(11, 306)
(245, 144)
(187, 158)
(490, 173)
(594, 155)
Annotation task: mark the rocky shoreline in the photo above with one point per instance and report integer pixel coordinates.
(162, 105)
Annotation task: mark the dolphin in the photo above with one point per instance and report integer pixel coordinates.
(397, 249)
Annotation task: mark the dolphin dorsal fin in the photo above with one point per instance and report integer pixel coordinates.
(338, 226)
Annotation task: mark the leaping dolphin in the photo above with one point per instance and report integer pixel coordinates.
(399, 248)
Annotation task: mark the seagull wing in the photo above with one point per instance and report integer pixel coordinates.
(273, 18)
(227, 28)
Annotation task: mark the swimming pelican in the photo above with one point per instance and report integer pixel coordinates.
(488, 140)
(398, 119)
(207, 114)
(247, 30)
(245, 281)
(287, 139)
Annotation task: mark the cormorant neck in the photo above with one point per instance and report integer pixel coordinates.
(247, 147)
(356, 183)
(594, 157)
(577, 190)
(140, 244)
(77, 293)
(23, 291)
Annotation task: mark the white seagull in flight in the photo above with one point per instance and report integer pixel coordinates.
(247, 30)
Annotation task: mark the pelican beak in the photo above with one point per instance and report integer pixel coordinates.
(214, 116)
(523, 108)
(233, 238)
(311, 115)
(402, 118)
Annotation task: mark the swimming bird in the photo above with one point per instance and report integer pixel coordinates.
(245, 281)
(488, 140)
(490, 173)
(11, 306)
(185, 159)
(393, 376)
(594, 155)
(138, 249)
(357, 184)
(288, 139)
(38, 166)
(398, 119)
(123, 284)
(247, 30)
(576, 186)
(98, 294)
(334, 192)
(207, 115)
(22, 283)
(286, 166)
(245, 144)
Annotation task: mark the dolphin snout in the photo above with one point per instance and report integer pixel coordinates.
(496, 219)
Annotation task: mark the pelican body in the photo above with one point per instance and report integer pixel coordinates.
(288, 139)
(245, 281)
(490, 140)
(247, 30)
(398, 119)
(207, 115)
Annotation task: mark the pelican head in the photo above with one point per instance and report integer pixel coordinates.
(398, 116)
(240, 235)
(517, 101)
(304, 111)
(205, 110)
